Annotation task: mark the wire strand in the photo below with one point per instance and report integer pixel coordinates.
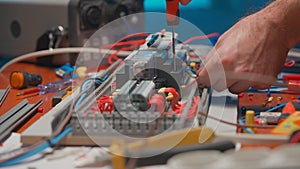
(62, 51)
(201, 37)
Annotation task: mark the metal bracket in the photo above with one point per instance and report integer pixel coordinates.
(16, 117)
(3, 94)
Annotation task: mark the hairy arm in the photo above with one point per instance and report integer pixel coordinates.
(253, 51)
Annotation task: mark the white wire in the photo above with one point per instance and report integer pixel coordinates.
(294, 53)
(61, 51)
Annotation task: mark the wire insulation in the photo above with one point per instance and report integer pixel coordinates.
(38, 149)
(61, 51)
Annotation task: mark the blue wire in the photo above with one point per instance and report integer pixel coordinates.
(276, 107)
(80, 99)
(85, 85)
(270, 110)
(49, 143)
(37, 150)
(245, 128)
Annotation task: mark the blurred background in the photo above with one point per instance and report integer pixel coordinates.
(208, 15)
(211, 15)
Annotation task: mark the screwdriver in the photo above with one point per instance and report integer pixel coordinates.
(173, 20)
(49, 87)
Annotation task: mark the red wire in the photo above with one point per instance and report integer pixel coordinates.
(159, 101)
(117, 44)
(135, 35)
(105, 104)
(201, 37)
(175, 104)
(289, 63)
(133, 45)
(193, 109)
(111, 58)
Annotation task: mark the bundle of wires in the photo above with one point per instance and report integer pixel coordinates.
(19, 155)
(38, 149)
(86, 85)
(242, 119)
(128, 43)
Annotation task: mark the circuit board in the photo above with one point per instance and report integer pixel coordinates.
(268, 108)
(149, 93)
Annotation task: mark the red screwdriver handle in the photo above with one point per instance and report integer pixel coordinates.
(172, 12)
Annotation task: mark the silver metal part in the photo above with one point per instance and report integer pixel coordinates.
(141, 95)
(3, 94)
(16, 116)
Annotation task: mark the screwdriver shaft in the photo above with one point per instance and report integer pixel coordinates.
(173, 48)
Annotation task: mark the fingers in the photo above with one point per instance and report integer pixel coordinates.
(242, 86)
(218, 74)
(239, 87)
(236, 82)
(261, 86)
(185, 2)
(212, 73)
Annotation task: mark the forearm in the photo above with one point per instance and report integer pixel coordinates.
(284, 15)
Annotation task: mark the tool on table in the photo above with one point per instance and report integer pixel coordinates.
(60, 95)
(49, 87)
(15, 117)
(173, 20)
(163, 147)
(21, 79)
(3, 94)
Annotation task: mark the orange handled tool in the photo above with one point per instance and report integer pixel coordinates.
(172, 12)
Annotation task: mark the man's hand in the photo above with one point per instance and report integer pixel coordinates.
(250, 54)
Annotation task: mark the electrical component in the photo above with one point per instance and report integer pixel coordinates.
(269, 117)
(60, 95)
(135, 96)
(49, 87)
(66, 71)
(126, 102)
(148, 96)
(249, 120)
(21, 79)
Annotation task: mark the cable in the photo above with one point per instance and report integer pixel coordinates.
(201, 37)
(118, 44)
(127, 46)
(135, 35)
(20, 154)
(276, 107)
(61, 51)
(38, 149)
(246, 129)
(290, 63)
(15, 154)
